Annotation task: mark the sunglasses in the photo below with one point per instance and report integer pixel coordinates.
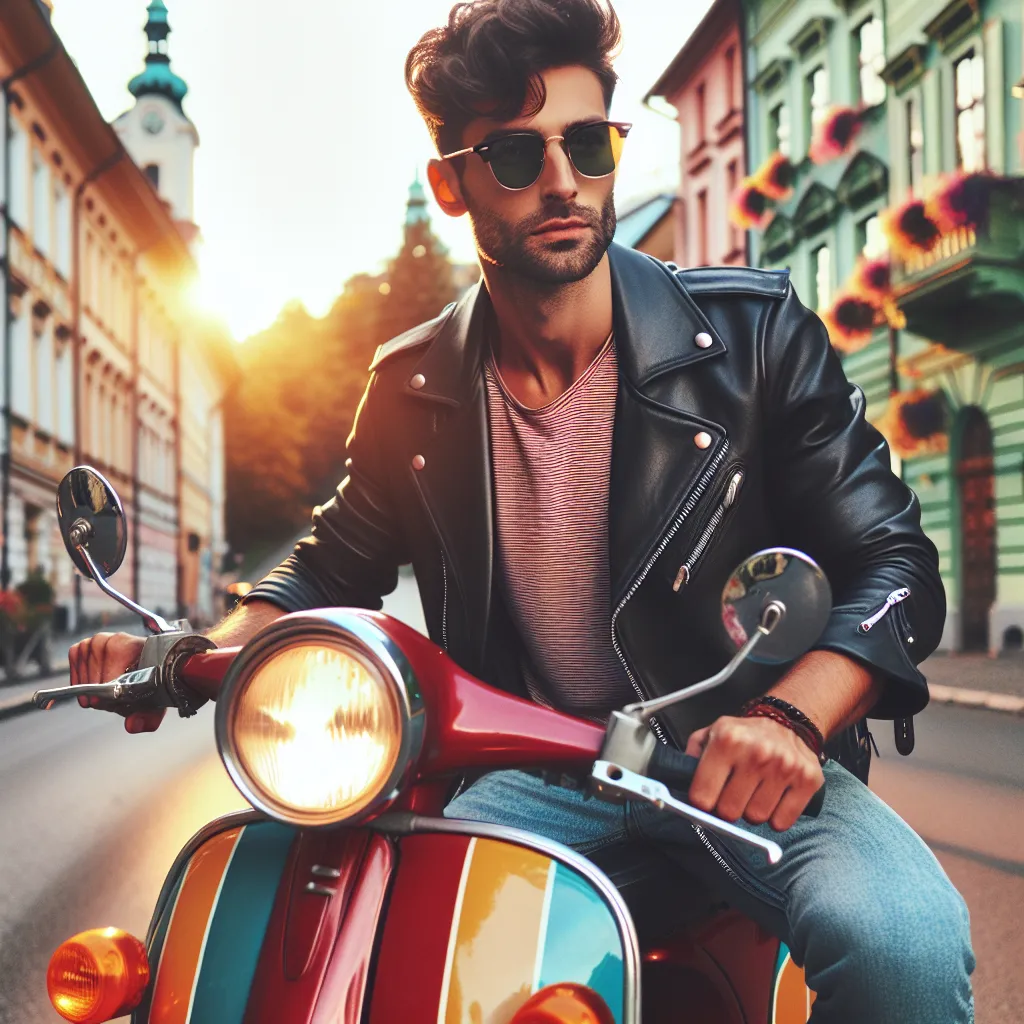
(516, 160)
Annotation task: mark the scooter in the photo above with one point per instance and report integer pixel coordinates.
(344, 897)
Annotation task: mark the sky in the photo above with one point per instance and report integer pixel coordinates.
(309, 140)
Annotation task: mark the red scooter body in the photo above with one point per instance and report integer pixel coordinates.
(414, 919)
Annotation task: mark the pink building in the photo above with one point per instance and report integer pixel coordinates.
(704, 83)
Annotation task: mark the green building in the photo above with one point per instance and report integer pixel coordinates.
(937, 79)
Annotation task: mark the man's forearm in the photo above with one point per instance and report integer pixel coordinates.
(833, 691)
(244, 623)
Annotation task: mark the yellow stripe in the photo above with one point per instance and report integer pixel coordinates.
(186, 934)
(498, 930)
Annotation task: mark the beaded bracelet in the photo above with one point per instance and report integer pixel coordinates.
(794, 714)
(810, 736)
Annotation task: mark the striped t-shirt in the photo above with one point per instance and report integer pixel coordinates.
(551, 473)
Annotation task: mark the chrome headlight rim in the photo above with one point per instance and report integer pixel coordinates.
(336, 628)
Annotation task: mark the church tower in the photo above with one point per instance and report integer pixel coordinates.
(156, 131)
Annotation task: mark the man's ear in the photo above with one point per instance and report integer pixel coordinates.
(446, 187)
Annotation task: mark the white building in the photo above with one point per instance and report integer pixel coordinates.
(106, 360)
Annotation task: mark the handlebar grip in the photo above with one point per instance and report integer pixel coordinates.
(677, 769)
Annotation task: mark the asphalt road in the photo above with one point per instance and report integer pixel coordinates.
(91, 818)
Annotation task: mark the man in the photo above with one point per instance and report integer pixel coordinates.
(575, 456)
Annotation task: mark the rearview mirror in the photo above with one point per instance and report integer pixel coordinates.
(785, 577)
(90, 515)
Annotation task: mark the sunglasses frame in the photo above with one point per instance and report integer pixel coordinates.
(482, 148)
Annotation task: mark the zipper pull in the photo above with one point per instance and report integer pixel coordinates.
(893, 599)
(681, 577)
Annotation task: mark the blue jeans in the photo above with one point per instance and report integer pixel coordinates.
(860, 900)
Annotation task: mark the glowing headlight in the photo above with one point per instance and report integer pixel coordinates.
(314, 731)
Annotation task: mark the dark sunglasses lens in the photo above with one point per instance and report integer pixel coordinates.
(516, 160)
(594, 149)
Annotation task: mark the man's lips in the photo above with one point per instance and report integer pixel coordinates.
(570, 224)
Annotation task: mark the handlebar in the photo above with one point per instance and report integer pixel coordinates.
(676, 770)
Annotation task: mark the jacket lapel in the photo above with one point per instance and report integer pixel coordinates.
(656, 462)
(455, 480)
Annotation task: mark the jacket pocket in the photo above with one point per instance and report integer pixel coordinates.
(703, 542)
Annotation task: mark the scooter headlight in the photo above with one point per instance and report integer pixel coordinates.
(319, 719)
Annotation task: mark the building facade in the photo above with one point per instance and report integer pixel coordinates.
(934, 80)
(704, 83)
(102, 352)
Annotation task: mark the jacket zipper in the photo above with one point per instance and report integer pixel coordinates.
(444, 605)
(895, 598)
(750, 885)
(686, 569)
(688, 506)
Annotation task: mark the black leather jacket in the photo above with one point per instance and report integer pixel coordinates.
(772, 395)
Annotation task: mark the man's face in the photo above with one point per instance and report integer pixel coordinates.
(525, 231)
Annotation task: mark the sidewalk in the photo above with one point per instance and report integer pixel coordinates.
(975, 680)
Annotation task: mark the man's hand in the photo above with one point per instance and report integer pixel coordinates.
(753, 768)
(101, 659)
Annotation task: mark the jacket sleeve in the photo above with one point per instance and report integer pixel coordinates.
(352, 557)
(832, 489)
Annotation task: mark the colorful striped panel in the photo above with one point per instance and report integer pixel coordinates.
(523, 921)
(217, 925)
(581, 940)
(792, 999)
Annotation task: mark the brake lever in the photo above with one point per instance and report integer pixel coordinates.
(614, 783)
(130, 688)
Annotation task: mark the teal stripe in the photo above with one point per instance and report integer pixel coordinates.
(582, 942)
(240, 922)
(156, 948)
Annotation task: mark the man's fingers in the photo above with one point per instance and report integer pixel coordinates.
(144, 721)
(762, 805)
(697, 742)
(790, 808)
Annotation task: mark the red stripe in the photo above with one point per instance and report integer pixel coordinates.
(414, 948)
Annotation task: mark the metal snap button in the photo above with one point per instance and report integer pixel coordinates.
(418, 381)
(703, 340)
(702, 440)
(418, 462)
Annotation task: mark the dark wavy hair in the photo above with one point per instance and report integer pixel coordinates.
(487, 61)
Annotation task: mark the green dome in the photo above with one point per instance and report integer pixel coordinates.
(158, 78)
(416, 211)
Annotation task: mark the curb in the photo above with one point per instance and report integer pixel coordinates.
(1005, 702)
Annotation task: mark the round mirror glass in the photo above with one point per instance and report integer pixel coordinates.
(85, 497)
(789, 577)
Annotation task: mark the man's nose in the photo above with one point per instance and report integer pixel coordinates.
(558, 179)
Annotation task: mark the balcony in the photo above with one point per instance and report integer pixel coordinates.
(971, 283)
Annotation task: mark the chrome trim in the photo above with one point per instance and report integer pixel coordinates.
(351, 629)
(153, 622)
(320, 890)
(404, 823)
(895, 598)
(319, 871)
(231, 820)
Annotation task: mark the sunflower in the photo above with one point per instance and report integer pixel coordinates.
(915, 423)
(960, 200)
(775, 177)
(835, 134)
(749, 207)
(909, 229)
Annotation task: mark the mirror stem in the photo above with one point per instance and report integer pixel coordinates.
(153, 622)
(773, 614)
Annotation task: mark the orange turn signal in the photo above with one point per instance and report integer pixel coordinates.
(565, 1003)
(97, 975)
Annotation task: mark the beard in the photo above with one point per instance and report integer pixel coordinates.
(515, 248)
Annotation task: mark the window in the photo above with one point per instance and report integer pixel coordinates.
(779, 129)
(62, 216)
(33, 522)
(702, 228)
(21, 365)
(735, 234)
(870, 239)
(730, 78)
(18, 149)
(969, 84)
(821, 267)
(817, 97)
(915, 145)
(152, 171)
(41, 192)
(44, 380)
(870, 61)
(702, 126)
(65, 398)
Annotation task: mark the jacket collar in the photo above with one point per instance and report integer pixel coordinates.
(654, 317)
